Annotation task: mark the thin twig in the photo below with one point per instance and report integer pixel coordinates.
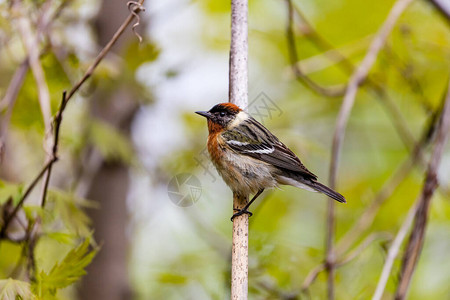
(58, 118)
(57, 125)
(299, 75)
(135, 7)
(9, 100)
(105, 50)
(416, 239)
(390, 185)
(24, 196)
(312, 275)
(31, 44)
(355, 80)
(330, 252)
(393, 252)
(363, 246)
(442, 8)
(358, 77)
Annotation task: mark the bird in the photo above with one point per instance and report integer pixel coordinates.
(251, 159)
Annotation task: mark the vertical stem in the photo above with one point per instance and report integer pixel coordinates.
(239, 255)
(238, 94)
(238, 89)
(330, 257)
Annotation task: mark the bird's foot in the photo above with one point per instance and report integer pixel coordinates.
(241, 212)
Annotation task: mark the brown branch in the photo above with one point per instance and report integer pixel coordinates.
(299, 75)
(9, 100)
(9, 218)
(356, 79)
(57, 125)
(416, 239)
(16, 83)
(393, 252)
(442, 8)
(312, 275)
(390, 185)
(135, 9)
(31, 45)
(330, 252)
(363, 246)
(58, 118)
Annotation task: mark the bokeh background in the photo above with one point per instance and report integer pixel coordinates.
(130, 142)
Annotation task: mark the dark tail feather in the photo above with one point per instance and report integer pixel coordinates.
(327, 191)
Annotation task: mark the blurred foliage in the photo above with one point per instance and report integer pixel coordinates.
(45, 250)
(287, 230)
(184, 253)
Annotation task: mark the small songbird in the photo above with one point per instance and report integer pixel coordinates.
(250, 158)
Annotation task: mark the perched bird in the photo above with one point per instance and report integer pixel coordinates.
(250, 158)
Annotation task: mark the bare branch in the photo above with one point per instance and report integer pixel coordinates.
(8, 101)
(416, 239)
(355, 80)
(24, 197)
(312, 275)
(302, 78)
(330, 252)
(363, 246)
(443, 8)
(366, 219)
(137, 8)
(393, 252)
(31, 44)
(238, 94)
(58, 119)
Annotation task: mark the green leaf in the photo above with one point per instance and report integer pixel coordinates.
(15, 289)
(8, 190)
(137, 54)
(172, 278)
(65, 273)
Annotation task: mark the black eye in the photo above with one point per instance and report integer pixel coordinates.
(222, 114)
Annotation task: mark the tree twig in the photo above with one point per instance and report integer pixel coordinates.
(416, 239)
(299, 75)
(393, 252)
(30, 42)
(312, 275)
(442, 8)
(356, 79)
(238, 94)
(9, 100)
(58, 118)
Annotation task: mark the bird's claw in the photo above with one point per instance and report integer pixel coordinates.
(241, 212)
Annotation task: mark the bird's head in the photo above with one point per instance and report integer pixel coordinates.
(223, 116)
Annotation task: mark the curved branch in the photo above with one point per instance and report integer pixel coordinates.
(299, 75)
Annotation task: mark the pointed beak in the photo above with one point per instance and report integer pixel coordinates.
(205, 114)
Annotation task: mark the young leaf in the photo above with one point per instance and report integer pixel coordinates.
(68, 271)
(15, 289)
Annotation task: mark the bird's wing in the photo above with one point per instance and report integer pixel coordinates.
(251, 138)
